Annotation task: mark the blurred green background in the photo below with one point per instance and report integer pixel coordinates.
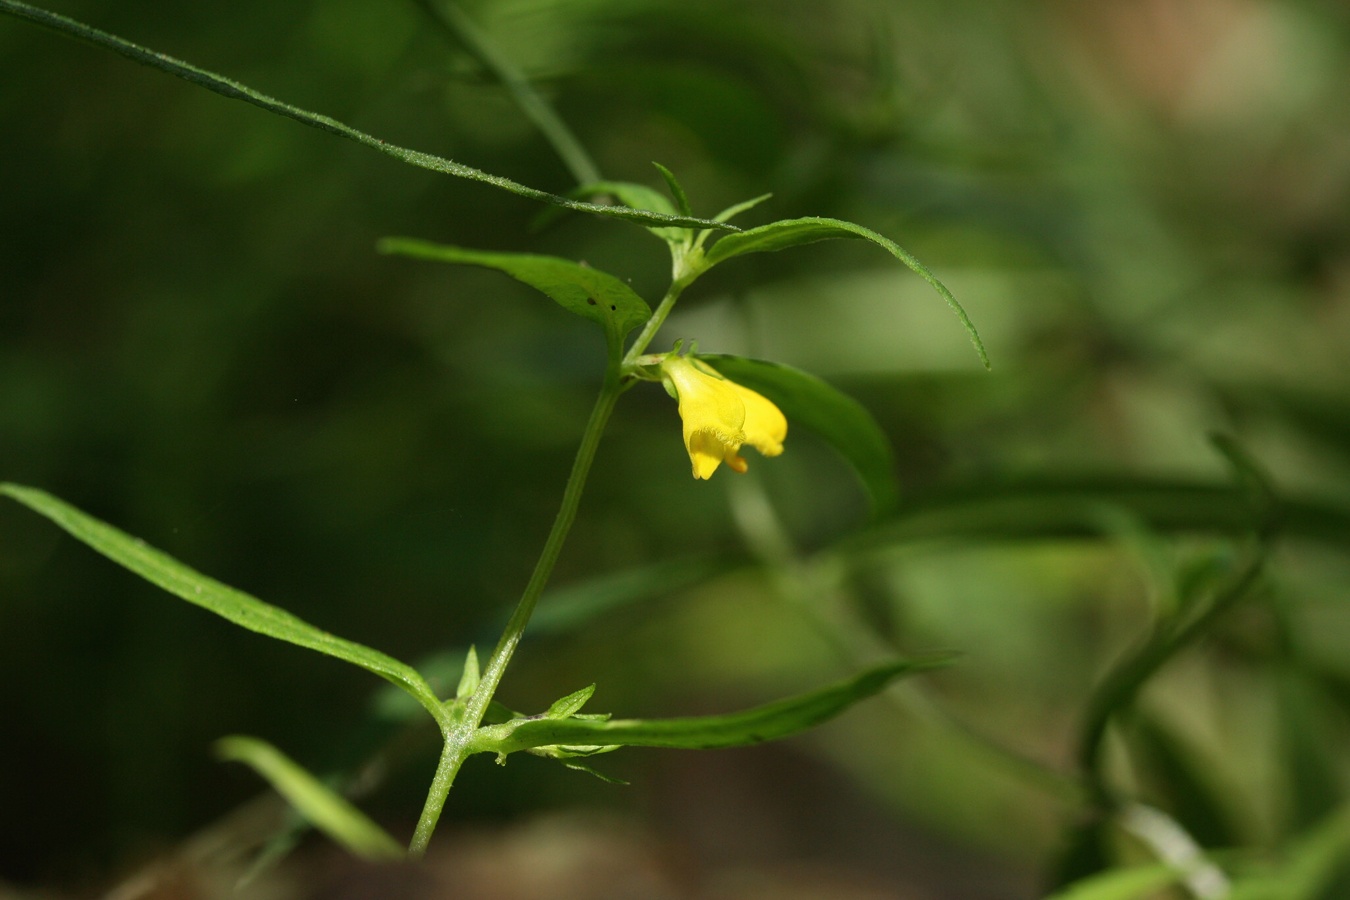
(1145, 207)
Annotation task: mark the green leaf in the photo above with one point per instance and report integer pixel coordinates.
(1120, 884)
(736, 209)
(236, 91)
(763, 723)
(324, 809)
(468, 677)
(676, 189)
(842, 421)
(638, 196)
(794, 232)
(226, 602)
(571, 704)
(579, 289)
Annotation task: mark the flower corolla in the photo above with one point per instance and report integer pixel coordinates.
(720, 415)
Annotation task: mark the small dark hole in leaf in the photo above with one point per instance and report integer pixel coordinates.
(613, 308)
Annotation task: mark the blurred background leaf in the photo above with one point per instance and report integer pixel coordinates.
(1143, 208)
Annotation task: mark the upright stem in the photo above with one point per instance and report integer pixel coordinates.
(654, 323)
(562, 524)
(458, 735)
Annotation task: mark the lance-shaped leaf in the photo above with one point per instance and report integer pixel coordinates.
(234, 90)
(570, 705)
(794, 232)
(579, 289)
(639, 196)
(763, 723)
(236, 606)
(323, 808)
(842, 421)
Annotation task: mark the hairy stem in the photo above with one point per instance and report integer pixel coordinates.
(458, 736)
(654, 324)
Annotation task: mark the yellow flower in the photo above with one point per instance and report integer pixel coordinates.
(720, 415)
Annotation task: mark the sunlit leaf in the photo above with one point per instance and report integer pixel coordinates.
(579, 289)
(795, 232)
(813, 404)
(754, 726)
(324, 809)
(236, 606)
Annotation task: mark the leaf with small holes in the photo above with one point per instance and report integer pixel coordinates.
(577, 288)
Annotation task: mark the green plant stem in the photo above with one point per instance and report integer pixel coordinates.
(459, 735)
(453, 20)
(654, 324)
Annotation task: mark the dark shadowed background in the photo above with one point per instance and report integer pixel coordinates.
(1145, 207)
